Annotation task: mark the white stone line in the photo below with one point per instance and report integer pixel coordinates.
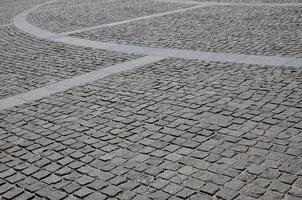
(201, 4)
(258, 4)
(180, 2)
(66, 84)
(5, 25)
(21, 23)
(186, 54)
(228, 3)
(80, 5)
(132, 20)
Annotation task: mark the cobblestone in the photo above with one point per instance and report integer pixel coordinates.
(172, 129)
(174, 179)
(39, 62)
(64, 16)
(252, 1)
(8, 9)
(215, 29)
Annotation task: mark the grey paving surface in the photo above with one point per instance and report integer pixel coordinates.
(60, 86)
(234, 29)
(251, 1)
(6, 14)
(166, 128)
(76, 15)
(21, 22)
(173, 129)
(9, 8)
(27, 62)
(19, 3)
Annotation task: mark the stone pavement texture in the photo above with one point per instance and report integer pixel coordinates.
(76, 14)
(9, 8)
(138, 126)
(233, 29)
(28, 62)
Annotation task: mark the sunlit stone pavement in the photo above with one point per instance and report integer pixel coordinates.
(150, 99)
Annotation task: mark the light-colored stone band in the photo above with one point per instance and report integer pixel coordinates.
(5, 25)
(21, 23)
(230, 3)
(132, 20)
(66, 84)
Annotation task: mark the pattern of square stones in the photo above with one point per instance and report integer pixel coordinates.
(234, 29)
(252, 1)
(76, 15)
(174, 129)
(7, 14)
(27, 62)
(9, 8)
(20, 3)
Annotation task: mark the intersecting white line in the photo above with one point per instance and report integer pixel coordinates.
(154, 54)
(21, 23)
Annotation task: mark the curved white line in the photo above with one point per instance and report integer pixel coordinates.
(230, 3)
(21, 23)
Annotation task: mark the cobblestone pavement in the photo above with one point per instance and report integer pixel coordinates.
(9, 8)
(76, 15)
(237, 29)
(251, 1)
(168, 129)
(27, 62)
(174, 128)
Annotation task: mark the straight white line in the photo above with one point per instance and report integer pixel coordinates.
(208, 56)
(66, 84)
(5, 25)
(258, 4)
(132, 20)
(57, 7)
(179, 1)
(196, 3)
